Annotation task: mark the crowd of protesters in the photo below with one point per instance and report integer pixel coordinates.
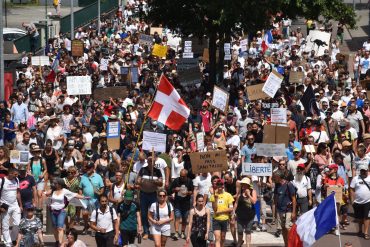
(129, 193)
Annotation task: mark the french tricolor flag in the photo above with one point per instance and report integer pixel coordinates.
(314, 224)
(267, 40)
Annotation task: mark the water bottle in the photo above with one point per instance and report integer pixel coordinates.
(139, 238)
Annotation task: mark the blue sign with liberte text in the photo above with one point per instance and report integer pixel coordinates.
(257, 169)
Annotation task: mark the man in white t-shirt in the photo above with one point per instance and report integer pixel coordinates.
(142, 162)
(161, 164)
(10, 204)
(202, 183)
(292, 164)
(319, 135)
(177, 163)
(360, 196)
(303, 185)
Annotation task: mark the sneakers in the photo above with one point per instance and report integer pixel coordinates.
(145, 236)
(183, 236)
(176, 236)
(263, 228)
(277, 233)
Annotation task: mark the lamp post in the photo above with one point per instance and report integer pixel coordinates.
(72, 21)
(2, 90)
(98, 17)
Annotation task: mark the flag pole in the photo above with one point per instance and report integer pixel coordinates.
(140, 132)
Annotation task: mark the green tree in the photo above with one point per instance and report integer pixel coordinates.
(217, 19)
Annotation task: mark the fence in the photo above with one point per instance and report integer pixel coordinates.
(23, 44)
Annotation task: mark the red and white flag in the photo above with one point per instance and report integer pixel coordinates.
(168, 107)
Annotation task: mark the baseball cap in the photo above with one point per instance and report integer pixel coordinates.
(220, 181)
(363, 167)
(333, 166)
(301, 166)
(179, 148)
(296, 150)
(90, 165)
(129, 195)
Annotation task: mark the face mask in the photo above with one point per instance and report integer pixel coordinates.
(218, 134)
(196, 129)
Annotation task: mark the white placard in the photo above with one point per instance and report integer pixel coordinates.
(269, 149)
(78, 202)
(19, 157)
(200, 141)
(272, 84)
(227, 46)
(309, 148)
(257, 169)
(278, 115)
(318, 41)
(154, 140)
(24, 60)
(187, 55)
(227, 57)
(104, 64)
(187, 43)
(244, 44)
(113, 129)
(220, 99)
(78, 85)
(187, 49)
(40, 61)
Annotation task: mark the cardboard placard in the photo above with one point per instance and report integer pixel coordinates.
(159, 30)
(154, 140)
(159, 50)
(366, 86)
(114, 92)
(276, 134)
(270, 150)
(257, 169)
(200, 141)
(255, 92)
(145, 39)
(19, 157)
(278, 115)
(78, 85)
(338, 192)
(272, 83)
(212, 161)
(77, 48)
(220, 99)
(205, 56)
(296, 77)
(113, 134)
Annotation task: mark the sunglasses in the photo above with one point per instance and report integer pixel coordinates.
(161, 195)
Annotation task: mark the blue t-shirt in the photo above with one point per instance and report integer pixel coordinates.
(90, 184)
(247, 152)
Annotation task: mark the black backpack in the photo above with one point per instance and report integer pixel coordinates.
(111, 214)
(157, 210)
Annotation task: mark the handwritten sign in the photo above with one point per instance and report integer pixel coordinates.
(276, 134)
(78, 85)
(77, 48)
(220, 99)
(338, 190)
(145, 39)
(114, 92)
(296, 77)
(269, 149)
(212, 161)
(200, 141)
(278, 115)
(40, 60)
(159, 50)
(19, 157)
(255, 92)
(154, 140)
(310, 148)
(184, 64)
(113, 133)
(244, 45)
(257, 169)
(272, 83)
(154, 30)
(104, 64)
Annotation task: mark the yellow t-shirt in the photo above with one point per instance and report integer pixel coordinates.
(223, 202)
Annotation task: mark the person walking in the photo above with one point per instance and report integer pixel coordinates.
(199, 223)
(105, 222)
(160, 216)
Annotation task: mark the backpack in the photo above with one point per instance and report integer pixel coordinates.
(3, 182)
(42, 167)
(111, 215)
(64, 160)
(157, 210)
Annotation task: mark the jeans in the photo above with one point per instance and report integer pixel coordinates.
(146, 200)
(104, 239)
(57, 218)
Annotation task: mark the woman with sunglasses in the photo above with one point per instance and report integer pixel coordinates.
(72, 183)
(199, 223)
(160, 216)
(101, 164)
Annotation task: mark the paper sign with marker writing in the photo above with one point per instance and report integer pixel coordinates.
(154, 140)
(104, 64)
(272, 83)
(257, 169)
(269, 149)
(278, 115)
(211, 161)
(200, 141)
(78, 85)
(159, 50)
(255, 92)
(19, 157)
(40, 60)
(220, 99)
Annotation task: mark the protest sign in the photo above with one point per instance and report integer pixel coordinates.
(244, 45)
(106, 93)
(197, 44)
(338, 190)
(257, 169)
(78, 85)
(40, 61)
(205, 56)
(159, 50)
(78, 203)
(227, 57)
(272, 83)
(278, 115)
(227, 48)
(24, 60)
(184, 64)
(310, 148)
(113, 134)
(269, 150)
(220, 99)
(159, 30)
(318, 41)
(200, 141)
(134, 75)
(276, 134)
(190, 76)
(104, 64)
(255, 92)
(145, 39)
(154, 140)
(19, 157)
(296, 77)
(188, 55)
(211, 161)
(366, 86)
(77, 48)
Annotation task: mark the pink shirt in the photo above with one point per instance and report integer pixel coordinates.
(206, 120)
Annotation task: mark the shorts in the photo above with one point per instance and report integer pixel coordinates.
(285, 220)
(128, 237)
(361, 210)
(181, 213)
(40, 185)
(161, 230)
(244, 226)
(57, 218)
(220, 225)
